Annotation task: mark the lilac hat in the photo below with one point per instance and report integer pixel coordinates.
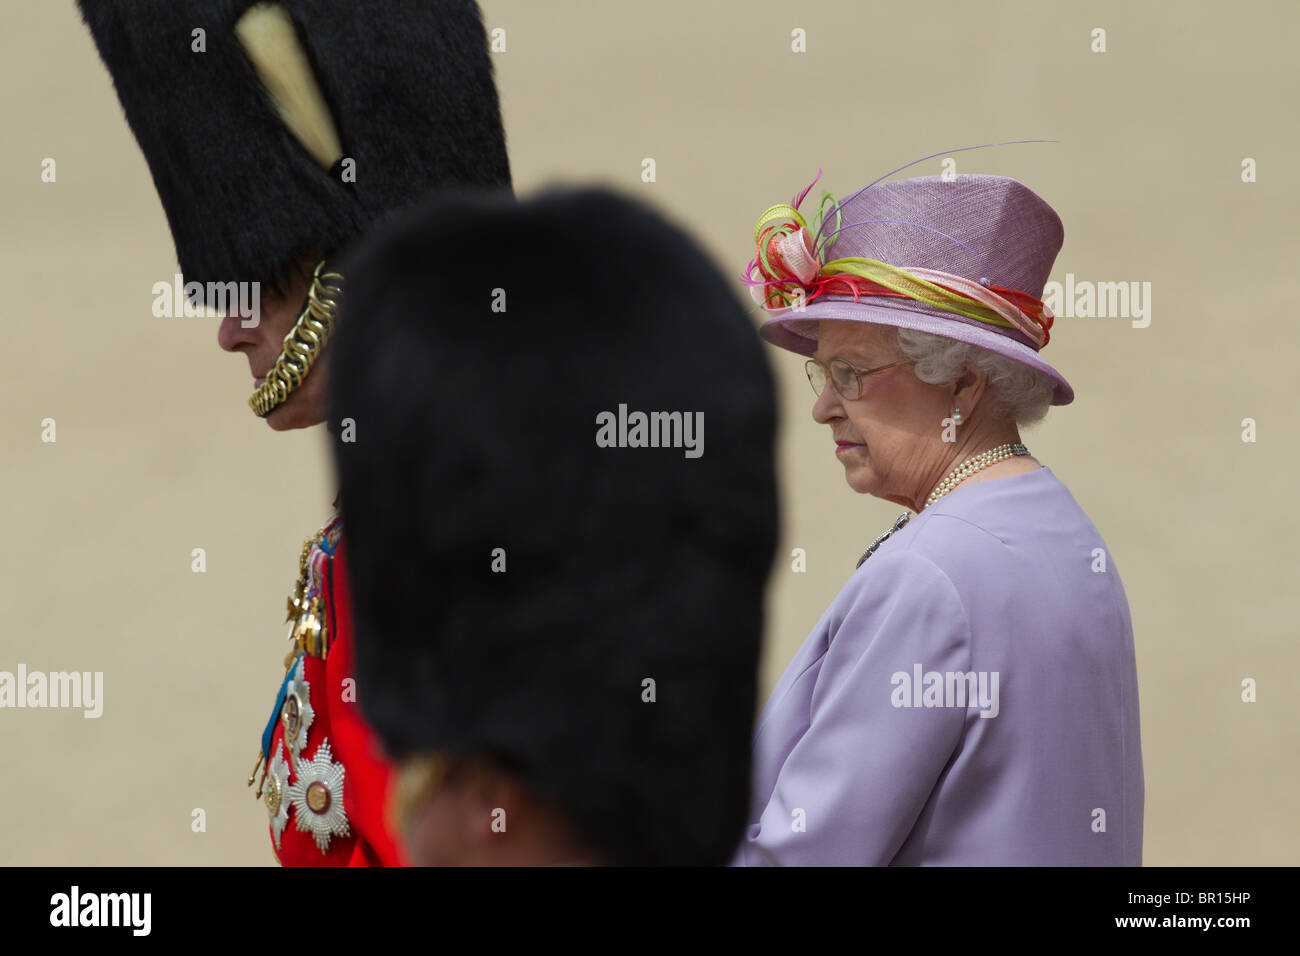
(986, 242)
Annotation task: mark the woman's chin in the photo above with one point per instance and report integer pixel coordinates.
(860, 479)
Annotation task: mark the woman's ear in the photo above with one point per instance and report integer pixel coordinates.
(968, 389)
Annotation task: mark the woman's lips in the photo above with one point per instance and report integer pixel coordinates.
(842, 446)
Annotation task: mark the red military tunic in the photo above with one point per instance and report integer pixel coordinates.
(326, 784)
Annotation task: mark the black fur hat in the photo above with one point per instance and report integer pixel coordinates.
(520, 574)
(407, 83)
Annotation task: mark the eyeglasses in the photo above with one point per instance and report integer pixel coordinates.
(846, 379)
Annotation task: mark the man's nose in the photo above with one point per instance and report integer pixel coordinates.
(231, 333)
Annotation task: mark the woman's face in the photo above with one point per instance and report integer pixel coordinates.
(890, 439)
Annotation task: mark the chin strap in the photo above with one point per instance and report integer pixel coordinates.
(304, 343)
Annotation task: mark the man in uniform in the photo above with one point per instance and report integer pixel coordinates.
(276, 134)
(561, 509)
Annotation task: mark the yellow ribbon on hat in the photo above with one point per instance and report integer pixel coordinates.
(914, 287)
(782, 210)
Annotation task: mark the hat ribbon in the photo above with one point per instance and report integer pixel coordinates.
(788, 272)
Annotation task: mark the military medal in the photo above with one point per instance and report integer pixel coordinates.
(297, 713)
(307, 631)
(317, 797)
(307, 634)
(277, 796)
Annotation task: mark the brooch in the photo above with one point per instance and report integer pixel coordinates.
(898, 523)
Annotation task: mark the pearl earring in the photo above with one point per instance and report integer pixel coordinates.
(956, 416)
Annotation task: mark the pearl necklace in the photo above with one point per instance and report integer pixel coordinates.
(955, 477)
(972, 465)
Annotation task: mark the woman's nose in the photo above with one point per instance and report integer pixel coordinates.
(827, 408)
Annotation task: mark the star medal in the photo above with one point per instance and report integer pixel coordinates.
(317, 797)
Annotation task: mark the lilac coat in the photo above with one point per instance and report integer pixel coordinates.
(1018, 745)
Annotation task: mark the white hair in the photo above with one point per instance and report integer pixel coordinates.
(1019, 392)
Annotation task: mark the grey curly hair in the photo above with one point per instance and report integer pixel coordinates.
(1017, 391)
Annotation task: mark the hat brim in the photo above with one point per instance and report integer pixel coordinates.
(797, 331)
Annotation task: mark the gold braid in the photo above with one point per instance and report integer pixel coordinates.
(303, 344)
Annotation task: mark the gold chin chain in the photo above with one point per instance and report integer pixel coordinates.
(304, 343)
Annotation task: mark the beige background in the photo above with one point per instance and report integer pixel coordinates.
(157, 453)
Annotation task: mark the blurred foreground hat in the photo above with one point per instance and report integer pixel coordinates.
(561, 521)
(965, 258)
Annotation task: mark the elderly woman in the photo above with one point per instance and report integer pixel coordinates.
(970, 697)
